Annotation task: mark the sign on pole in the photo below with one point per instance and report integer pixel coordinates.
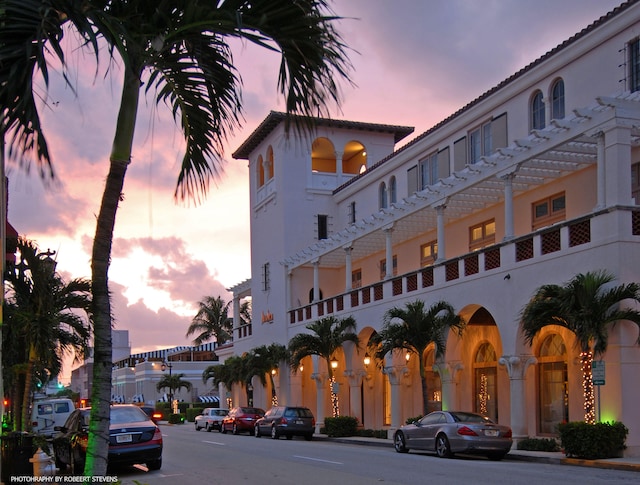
(597, 372)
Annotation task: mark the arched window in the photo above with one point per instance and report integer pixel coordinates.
(557, 100)
(354, 158)
(323, 156)
(537, 111)
(485, 368)
(260, 172)
(382, 196)
(393, 191)
(553, 398)
(269, 164)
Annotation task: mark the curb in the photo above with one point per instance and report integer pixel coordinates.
(605, 464)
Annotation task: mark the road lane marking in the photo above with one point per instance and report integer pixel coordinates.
(318, 459)
(213, 442)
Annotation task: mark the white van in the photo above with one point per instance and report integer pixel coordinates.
(49, 413)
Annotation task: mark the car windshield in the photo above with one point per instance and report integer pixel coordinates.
(120, 415)
(469, 418)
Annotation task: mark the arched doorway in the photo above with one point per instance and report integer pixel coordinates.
(485, 380)
(553, 397)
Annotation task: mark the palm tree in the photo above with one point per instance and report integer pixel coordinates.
(49, 317)
(211, 321)
(232, 371)
(179, 51)
(587, 305)
(263, 360)
(173, 382)
(412, 328)
(328, 335)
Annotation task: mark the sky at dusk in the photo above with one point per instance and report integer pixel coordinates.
(415, 63)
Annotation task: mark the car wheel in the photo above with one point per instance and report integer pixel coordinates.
(399, 443)
(496, 456)
(77, 465)
(208, 428)
(274, 433)
(197, 429)
(256, 431)
(155, 464)
(234, 429)
(223, 429)
(442, 446)
(220, 428)
(308, 436)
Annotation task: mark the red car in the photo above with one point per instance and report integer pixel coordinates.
(241, 418)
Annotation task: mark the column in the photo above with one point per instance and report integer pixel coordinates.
(388, 232)
(617, 158)
(354, 378)
(449, 372)
(508, 206)
(440, 227)
(601, 173)
(321, 399)
(339, 168)
(316, 280)
(347, 269)
(516, 369)
(287, 287)
(236, 316)
(395, 375)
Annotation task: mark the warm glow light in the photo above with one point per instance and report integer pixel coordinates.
(273, 372)
(334, 364)
(367, 360)
(301, 367)
(407, 356)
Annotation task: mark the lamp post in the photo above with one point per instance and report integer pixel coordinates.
(168, 365)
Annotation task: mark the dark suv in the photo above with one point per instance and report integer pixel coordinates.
(289, 421)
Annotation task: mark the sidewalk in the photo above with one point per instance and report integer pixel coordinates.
(628, 463)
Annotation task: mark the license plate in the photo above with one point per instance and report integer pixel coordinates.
(124, 438)
(491, 432)
(299, 421)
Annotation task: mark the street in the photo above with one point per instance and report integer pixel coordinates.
(214, 458)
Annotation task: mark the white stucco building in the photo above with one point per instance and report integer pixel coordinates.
(531, 183)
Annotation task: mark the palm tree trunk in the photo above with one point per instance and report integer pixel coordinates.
(98, 445)
(25, 422)
(335, 403)
(425, 394)
(586, 359)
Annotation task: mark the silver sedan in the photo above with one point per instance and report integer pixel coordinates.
(449, 432)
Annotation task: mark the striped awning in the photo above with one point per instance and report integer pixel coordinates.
(209, 398)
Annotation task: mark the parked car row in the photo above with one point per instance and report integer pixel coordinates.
(287, 421)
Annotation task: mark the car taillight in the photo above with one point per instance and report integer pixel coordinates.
(157, 436)
(283, 420)
(156, 415)
(466, 431)
(313, 421)
(508, 434)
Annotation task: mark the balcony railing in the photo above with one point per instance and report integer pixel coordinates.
(506, 255)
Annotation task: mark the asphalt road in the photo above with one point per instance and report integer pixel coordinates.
(192, 457)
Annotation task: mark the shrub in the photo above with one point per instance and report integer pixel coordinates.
(176, 418)
(192, 413)
(341, 426)
(538, 444)
(415, 418)
(593, 441)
